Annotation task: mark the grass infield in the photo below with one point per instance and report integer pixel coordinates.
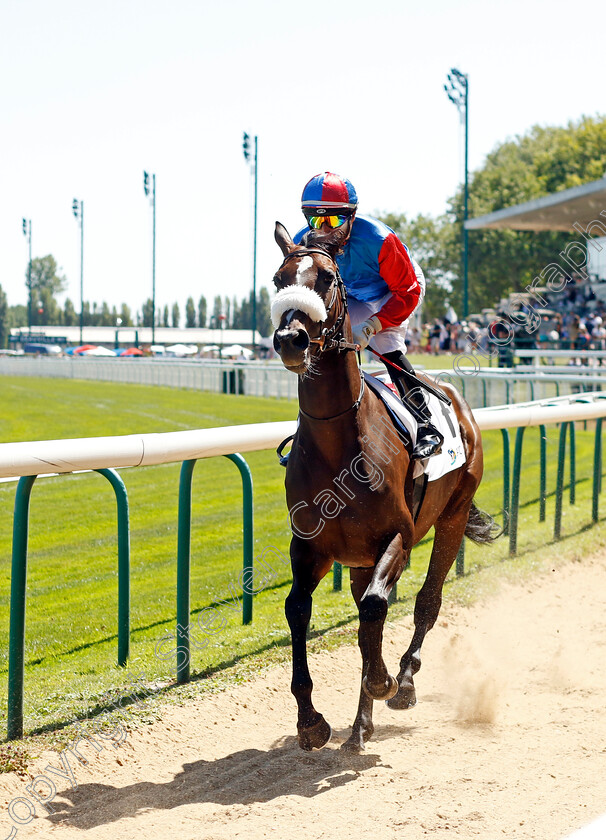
(71, 623)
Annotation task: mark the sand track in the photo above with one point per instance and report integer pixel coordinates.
(508, 739)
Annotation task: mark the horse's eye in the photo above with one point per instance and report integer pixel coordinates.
(327, 278)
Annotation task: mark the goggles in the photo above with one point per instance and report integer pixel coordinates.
(334, 220)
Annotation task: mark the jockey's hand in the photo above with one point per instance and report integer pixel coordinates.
(362, 333)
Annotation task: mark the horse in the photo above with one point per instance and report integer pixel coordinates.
(349, 488)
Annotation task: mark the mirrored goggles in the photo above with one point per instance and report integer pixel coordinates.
(333, 220)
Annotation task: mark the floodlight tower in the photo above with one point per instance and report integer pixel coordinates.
(27, 232)
(146, 190)
(457, 91)
(254, 166)
(78, 211)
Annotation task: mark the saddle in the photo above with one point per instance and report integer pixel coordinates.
(452, 455)
(443, 417)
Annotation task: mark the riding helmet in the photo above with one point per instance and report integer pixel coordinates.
(329, 190)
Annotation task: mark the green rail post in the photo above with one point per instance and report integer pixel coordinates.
(484, 392)
(16, 644)
(460, 561)
(557, 525)
(515, 492)
(247, 524)
(597, 463)
(123, 563)
(506, 473)
(543, 475)
(337, 577)
(183, 570)
(573, 464)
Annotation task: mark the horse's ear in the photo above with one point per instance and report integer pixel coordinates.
(333, 242)
(283, 239)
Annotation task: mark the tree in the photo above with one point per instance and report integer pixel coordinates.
(4, 319)
(217, 309)
(45, 309)
(165, 317)
(202, 312)
(17, 315)
(70, 316)
(176, 315)
(190, 313)
(148, 313)
(235, 314)
(543, 161)
(264, 324)
(44, 276)
(126, 316)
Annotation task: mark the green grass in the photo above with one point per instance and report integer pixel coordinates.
(71, 626)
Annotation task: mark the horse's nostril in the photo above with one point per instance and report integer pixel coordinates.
(301, 340)
(295, 339)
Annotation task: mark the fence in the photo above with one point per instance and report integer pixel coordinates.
(31, 459)
(480, 388)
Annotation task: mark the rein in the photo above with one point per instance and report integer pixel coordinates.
(353, 407)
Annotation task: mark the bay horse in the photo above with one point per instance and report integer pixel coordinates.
(349, 490)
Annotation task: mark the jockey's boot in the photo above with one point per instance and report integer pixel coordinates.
(429, 440)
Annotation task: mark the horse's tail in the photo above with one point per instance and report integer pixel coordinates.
(481, 527)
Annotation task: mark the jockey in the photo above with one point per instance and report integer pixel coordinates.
(384, 287)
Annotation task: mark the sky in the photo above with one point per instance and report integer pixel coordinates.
(94, 93)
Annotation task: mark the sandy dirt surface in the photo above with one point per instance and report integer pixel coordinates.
(508, 739)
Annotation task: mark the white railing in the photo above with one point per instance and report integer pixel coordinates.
(270, 379)
(70, 455)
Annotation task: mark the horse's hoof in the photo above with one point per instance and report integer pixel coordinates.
(354, 745)
(314, 737)
(406, 698)
(389, 689)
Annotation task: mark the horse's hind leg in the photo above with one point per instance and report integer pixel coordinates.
(371, 588)
(313, 731)
(449, 532)
(362, 728)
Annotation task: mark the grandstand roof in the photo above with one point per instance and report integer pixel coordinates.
(557, 211)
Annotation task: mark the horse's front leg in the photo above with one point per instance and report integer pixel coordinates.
(449, 531)
(377, 682)
(313, 731)
(377, 582)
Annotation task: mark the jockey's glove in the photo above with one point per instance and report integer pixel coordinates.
(362, 333)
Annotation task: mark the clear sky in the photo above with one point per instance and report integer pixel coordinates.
(95, 92)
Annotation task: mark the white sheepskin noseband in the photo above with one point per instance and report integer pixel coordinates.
(297, 297)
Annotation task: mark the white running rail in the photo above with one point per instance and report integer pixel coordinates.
(64, 456)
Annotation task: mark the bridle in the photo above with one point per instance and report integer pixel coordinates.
(331, 338)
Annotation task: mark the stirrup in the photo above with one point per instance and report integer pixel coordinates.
(284, 458)
(429, 443)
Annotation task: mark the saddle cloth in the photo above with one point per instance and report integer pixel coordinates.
(443, 417)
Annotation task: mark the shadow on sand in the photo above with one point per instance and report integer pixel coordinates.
(243, 777)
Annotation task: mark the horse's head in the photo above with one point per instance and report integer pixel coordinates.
(310, 308)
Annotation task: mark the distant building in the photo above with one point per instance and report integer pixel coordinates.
(129, 336)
